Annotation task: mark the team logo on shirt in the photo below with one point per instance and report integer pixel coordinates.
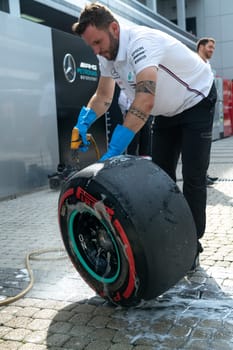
(115, 74)
(130, 76)
(130, 79)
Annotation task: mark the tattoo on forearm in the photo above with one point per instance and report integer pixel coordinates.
(139, 114)
(146, 86)
(107, 104)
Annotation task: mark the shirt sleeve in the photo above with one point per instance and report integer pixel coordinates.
(145, 51)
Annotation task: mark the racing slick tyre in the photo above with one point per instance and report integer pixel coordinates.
(127, 229)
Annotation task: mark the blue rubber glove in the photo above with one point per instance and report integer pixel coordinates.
(85, 119)
(120, 140)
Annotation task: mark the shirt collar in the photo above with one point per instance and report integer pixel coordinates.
(123, 43)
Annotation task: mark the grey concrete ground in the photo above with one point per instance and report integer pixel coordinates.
(62, 312)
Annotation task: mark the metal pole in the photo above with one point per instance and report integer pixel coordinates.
(14, 8)
(181, 16)
(152, 4)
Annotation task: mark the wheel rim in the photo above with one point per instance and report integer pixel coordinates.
(94, 245)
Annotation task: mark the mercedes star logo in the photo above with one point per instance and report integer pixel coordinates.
(69, 68)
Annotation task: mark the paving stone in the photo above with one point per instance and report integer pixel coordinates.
(5, 317)
(11, 310)
(39, 324)
(180, 331)
(98, 321)
(123, 337)
(116, 323)
(26, 312)
(4, 330)
(123, 347)
(65, 316)
(27, 302)
(60, 327)
(98, 345)
(202, 333)
(84, 308)
(17, 322)
(197, 344)
(46, 314)
(81, 319)
(161, 327)
(174, 342)
(221, 344)
(103, 333)
(10, 345)
(148, 347)
(36, 337)
(33, 347)
(77, 343)
(145, 339)
(17, 334)
(105, 310)
(57, 339)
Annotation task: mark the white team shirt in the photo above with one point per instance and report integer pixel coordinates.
(183, 79)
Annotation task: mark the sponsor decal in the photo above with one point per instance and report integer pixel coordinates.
(90, 200)
(87, 71)
(69, 68)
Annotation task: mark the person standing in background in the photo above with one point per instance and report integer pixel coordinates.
(205, 49)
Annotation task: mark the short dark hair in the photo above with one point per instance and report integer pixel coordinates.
(204, 41)
(94, 14)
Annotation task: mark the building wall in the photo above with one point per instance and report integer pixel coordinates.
(28, 124)
(218, 19)
(168, 9)
(213, 18)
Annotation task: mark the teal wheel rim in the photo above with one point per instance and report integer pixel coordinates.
(100, 255)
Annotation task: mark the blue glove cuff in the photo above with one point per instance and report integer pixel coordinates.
(121, 138)
(86, 117)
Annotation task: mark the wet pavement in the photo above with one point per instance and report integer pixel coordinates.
(62, 312)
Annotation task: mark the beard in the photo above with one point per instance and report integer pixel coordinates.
(113, 47)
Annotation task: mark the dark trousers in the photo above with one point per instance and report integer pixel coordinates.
(188, 134)
(141, 143)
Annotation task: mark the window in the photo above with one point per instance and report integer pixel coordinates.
(4, 6)
(43, 14)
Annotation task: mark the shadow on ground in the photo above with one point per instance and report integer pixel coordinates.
(194, 314)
